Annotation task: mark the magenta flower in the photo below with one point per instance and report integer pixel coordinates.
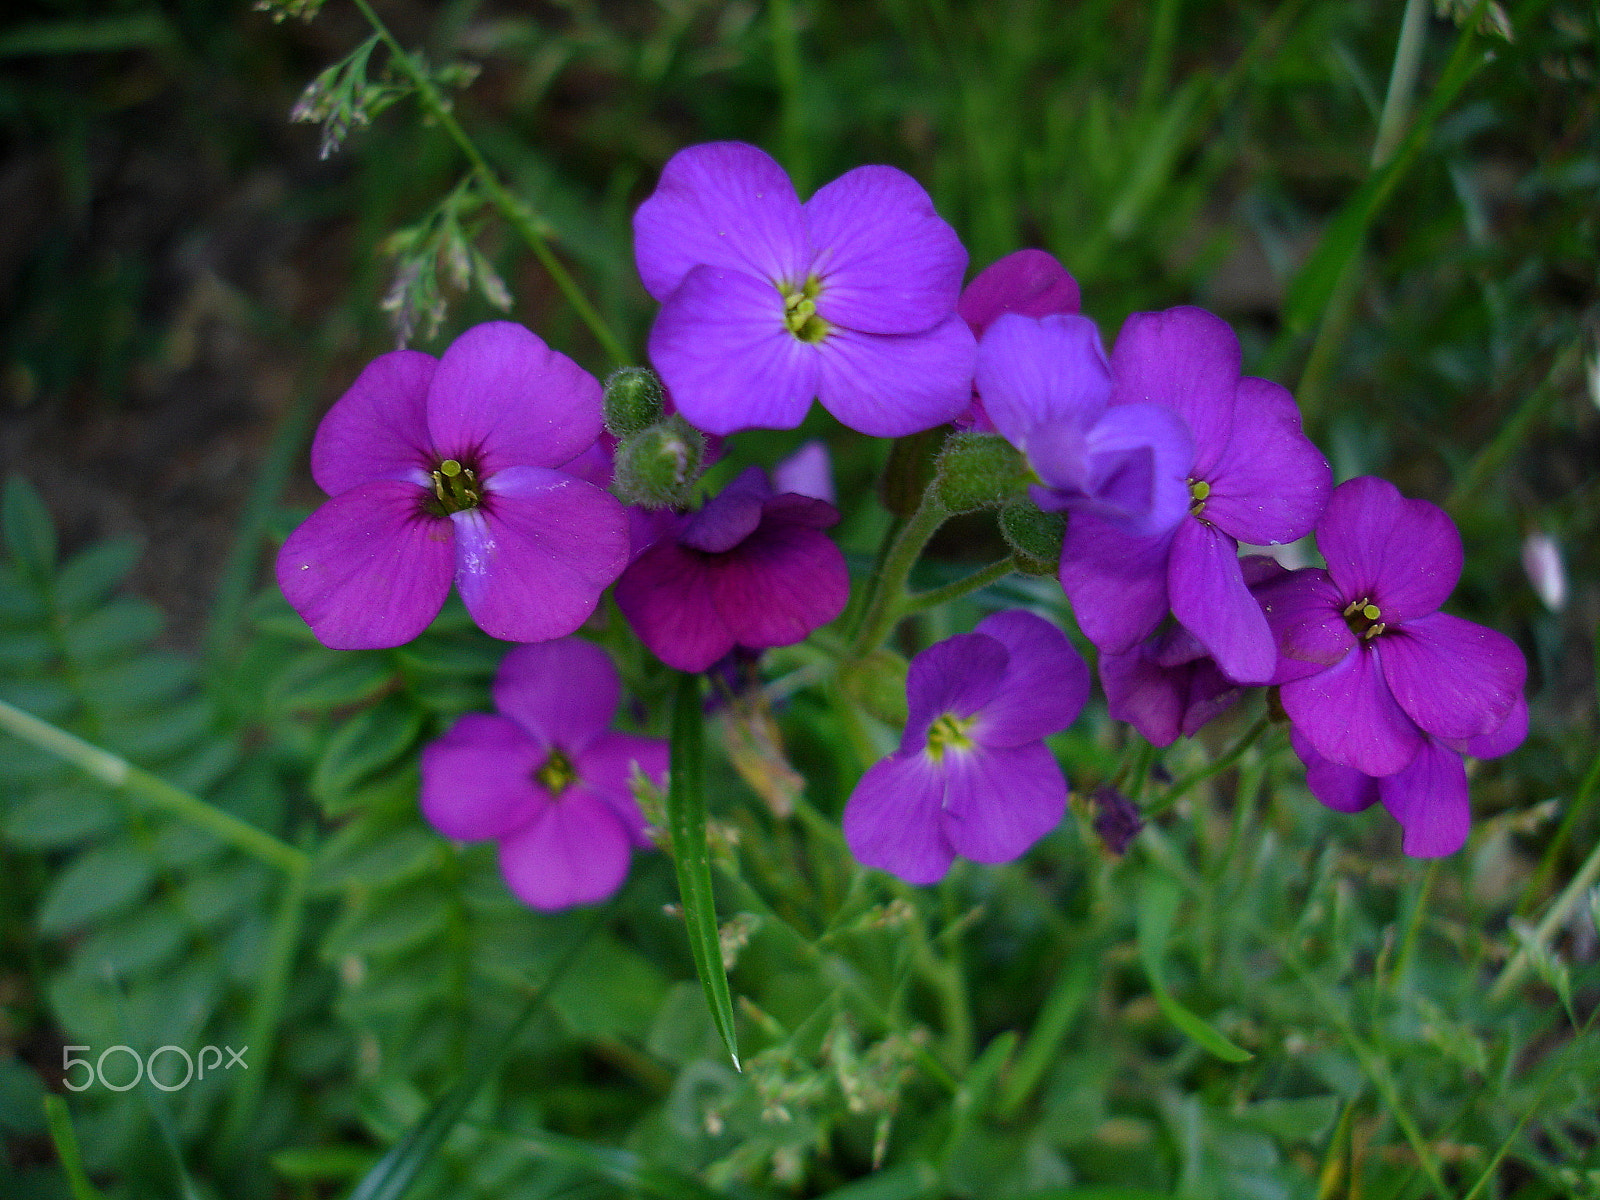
(1255, 478)
(1029, 282)
(766, 302)
(972, 776)
(1369, 668)
(546, 777)
(448, 468)
(750, 569)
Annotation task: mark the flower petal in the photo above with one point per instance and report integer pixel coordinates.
(477, 780)
(722, 349)
(575, 851)
(1029, 282)
(1000, 800)
(806, 472)
(1455, 678)
(370, 568)
(1117, 582)
(666, 596)
(532, 560)
(887, 385)
(563, 692)
(1349, 715)
(605, 768)
(893, 819)
(1343, 789)
(1429, 799)
(1045, 686)
(1402, 555)
(958, 675)
(1187, 360)
(1303, 610)
(1271, 484)
(1211, 601)
(723, 204)
(1138, 458)
(502, 398)
(1145, 694)
(781, 584)
(379, 428)
(888, 262)
(1034, 371)
(1512, 733)
(730, 516)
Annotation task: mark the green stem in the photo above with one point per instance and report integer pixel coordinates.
(981, 578)
(121, 775)
(1176, 791)
(1553, 920)
(514, 212)
(884, 610)
(65, 1139)
(1552, 855)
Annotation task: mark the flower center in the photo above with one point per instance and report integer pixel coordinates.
(557, 774)
(949, 732)
(800, 310)
(1199, 492)
(1362, 617)
(456, 487)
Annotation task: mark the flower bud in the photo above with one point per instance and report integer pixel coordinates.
(658, 467)
(632, 401)
(979, 470)
(1034, 536)
(1541, 559)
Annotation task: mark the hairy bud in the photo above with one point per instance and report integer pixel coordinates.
(1034, 536)
(632, 401)
(979, 470)
(658, 467)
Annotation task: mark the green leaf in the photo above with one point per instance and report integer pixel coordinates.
(65, 1140)
(686, 818)
(133, 944)
(91, 576)
(214, 896)
(904, 1182)
(152, 678)
(156, 736)
(451, 657)
(364, 745)
(1158, 905)
(24, 649)
(359, 854)
(30, 535)
(60, 817)
(121, 625)
(96, 885)
(320, 679)
(392, 924)
(46, 698)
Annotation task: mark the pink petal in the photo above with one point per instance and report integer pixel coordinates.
(894, 819)
(1117, 582)
(563, 692)
(477, 780)
(575, 851)
(1029, 282)
(806, 472)
(666, 596)
(533, 559)
(1343, 789)
(502, 398)
(1045, 685)
(1211, 601)
(888, 262)
(605, 768)
(1001, 800)
(1188, 360)
(1348, 714)
(1455, 678)
(1429, 799)
(1271, 484)
(1402, 555)
(370, 568)
(887, 385)
(779, 586)
(723, 204)
(379, 428)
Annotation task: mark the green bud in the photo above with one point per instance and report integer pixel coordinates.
(878, 684)
(979, 470)
(1034, 536)
(632, 401)
(909, 470)
(659, 466)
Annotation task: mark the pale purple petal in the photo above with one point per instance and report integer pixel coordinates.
(780, 585)
(730, 516)
(888, 262)
(563, 692)
(723, 204)
(477, 780)
(1402, 555)
(370, 568)
(575, 851)
(1429, 799)
(958, 675)
(1187, 360)
(1303, 610)
(1271, 484)
(532, 560)
(1455, 678)
(502, 398)
(1000, 800)
(1117, 582)
(1349, 715)
(720, 345)
(1343, 789)
(1029, 282)
(1146, 695)
(1512, 733)
(894, 819)
(1210, 693)
(1211, 601)
(1138, 458)
(888, 385)
(806, 472)
(666, 596)
(379, 428)
(1031, 372)
(1045, 685)
(605, 768)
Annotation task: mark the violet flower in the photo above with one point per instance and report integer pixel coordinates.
(546, 777)
(752, 568)
(1369, 668)
(1255, 478)
(972, 776)
(448, 468)
(766, 302)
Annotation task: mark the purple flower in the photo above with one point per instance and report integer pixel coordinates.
(767, 303)
(1428, 796)
(1029, 282)
(447, 467)
(1369, 668)
(972, 776)
(750, 569)
(1047, 389)
(1255, 478)
(546, 778)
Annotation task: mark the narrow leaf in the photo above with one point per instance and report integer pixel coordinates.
(1158, 905)
(29, 533)
(65, 1139)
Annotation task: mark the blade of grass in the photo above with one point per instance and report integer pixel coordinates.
(621, 1167)
(686, 819)
(1158, 906)
(65, 1139)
